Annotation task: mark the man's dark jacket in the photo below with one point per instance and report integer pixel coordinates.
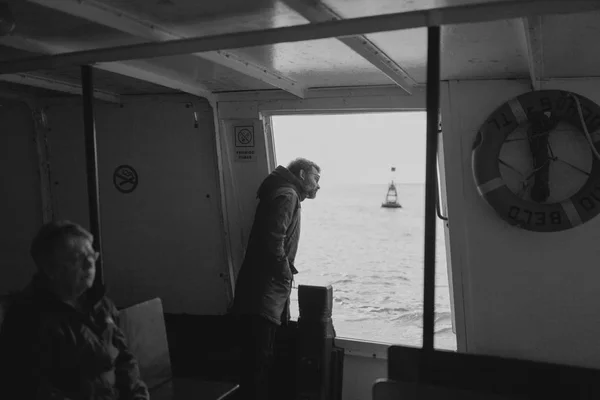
(264, 283)
(51, 351)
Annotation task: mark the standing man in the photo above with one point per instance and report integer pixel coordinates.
(264, 284)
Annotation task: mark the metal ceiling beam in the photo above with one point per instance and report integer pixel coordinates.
(104, 14)
(316, 11)
(479, 12)
(532, 36)
(58, 85)
(142, 70)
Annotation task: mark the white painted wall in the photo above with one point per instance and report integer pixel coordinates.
(526, 295)
(242, 177)
(166, 238)
(20, 202)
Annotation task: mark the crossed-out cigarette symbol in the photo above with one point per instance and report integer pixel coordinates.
(125, 179)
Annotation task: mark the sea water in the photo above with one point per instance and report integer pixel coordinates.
(373, 259)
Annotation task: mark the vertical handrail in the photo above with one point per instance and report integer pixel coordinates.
(438, 189)
(91, 158)
(433, 102)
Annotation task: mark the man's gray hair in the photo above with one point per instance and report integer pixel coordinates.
(53, 235)
(302, 164)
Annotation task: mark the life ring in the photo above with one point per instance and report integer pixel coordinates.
(540, 217)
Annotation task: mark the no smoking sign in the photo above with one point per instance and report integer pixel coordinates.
(125, 179)
(244, 136)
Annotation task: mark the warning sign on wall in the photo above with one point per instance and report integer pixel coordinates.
(125, 179)
(244, 143)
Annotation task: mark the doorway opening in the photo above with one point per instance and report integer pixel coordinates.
(371, 255)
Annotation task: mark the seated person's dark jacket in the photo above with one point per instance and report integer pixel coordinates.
(51, 351)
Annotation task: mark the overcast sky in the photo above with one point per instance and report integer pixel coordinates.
(356, 148)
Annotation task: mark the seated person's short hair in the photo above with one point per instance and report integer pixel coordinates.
(52, 235)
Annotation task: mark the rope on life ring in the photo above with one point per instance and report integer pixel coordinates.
(542, 110)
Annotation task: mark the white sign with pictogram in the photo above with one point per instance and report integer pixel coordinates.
(244, 143)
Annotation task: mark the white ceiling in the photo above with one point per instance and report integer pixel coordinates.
(560, 46)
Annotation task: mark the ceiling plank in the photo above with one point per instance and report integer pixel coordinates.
(316, 11)
(142, 70)
(467, 13)
(104, 14)
(57, 85)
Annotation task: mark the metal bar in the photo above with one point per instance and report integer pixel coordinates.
(433, 105)
(325, 92)
(91, 156)
(466, 13)
(438, 206)
(438, 181)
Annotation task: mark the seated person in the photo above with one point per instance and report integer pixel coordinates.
(60, 339)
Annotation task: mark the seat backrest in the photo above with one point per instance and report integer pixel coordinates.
(146, 334)
(491, 374)
(385, 389)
